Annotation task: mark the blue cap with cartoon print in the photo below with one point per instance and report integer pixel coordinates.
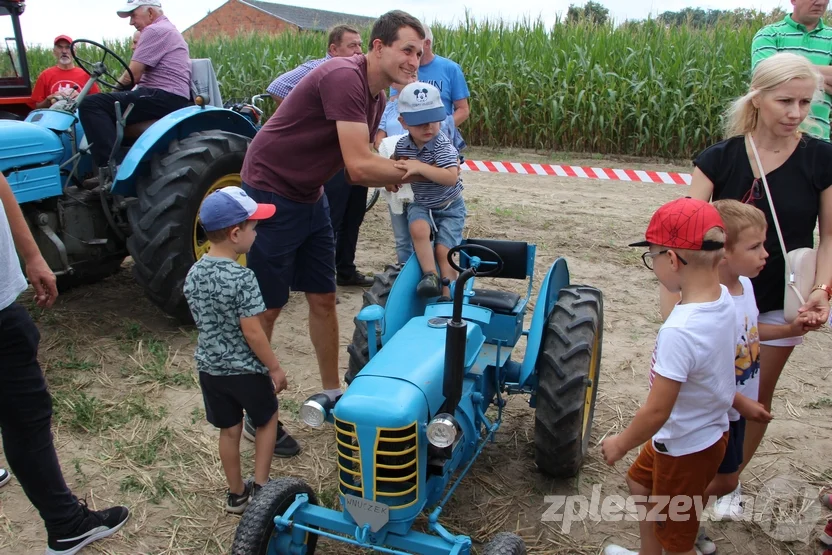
(421, 103)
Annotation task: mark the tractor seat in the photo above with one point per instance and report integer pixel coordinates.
(501, 302)
(134, 130)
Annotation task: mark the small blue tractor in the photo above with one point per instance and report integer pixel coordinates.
(160, 171)
(423, 376)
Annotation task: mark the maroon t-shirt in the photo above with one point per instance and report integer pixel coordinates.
(297, 150)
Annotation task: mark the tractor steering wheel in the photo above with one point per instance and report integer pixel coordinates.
(97, 70)
(475, 261)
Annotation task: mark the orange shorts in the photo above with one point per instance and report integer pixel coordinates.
(676, 521)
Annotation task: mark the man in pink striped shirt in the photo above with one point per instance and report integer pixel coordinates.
(161, 68)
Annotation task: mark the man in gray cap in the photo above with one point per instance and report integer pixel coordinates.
(161, 68)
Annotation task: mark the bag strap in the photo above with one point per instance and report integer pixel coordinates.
(771, 204)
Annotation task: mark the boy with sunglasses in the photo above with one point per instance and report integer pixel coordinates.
(683, 424)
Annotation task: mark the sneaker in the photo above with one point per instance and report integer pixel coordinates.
(5, 476)
(729, 507)
(618, 550)
(429, 286)
(255, 489)
(285, 445)
(237, 503)
(826, 500)
(826, 535)
(95, 525)
(704, 544)
(357, 279)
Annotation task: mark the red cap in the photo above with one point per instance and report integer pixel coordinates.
(62, 37)
(682, 224)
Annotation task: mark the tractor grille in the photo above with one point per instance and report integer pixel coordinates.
(349, 459)
(397, 466)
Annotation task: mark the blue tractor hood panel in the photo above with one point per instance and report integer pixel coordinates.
(24, 144)
(416, 354)
(373, 401)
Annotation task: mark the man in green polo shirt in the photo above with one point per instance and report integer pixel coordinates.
(804, 33)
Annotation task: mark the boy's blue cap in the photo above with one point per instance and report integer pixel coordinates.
(231, 206)
(421, 103)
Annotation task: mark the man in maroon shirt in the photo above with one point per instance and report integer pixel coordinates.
(327, 124)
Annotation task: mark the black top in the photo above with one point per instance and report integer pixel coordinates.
(795, 189)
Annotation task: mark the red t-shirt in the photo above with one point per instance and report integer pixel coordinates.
(54, 79)
(297, 150)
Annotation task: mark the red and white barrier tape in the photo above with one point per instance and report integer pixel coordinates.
(584, 172)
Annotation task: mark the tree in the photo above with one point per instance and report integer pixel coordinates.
(591, 11)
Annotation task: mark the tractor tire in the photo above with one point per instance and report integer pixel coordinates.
(163, 242)
(359, 350)
(568, 369)
(505, 543)
(372, 198)
(256, 527)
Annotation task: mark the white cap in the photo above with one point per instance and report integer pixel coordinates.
(133, 4)
(421, 103)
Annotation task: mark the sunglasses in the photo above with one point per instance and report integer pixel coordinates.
(754, 193)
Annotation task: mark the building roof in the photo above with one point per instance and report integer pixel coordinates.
(309, 18)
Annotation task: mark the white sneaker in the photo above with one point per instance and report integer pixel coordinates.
(704, 544)
(618, 550)
(5, 476)
(729, 507)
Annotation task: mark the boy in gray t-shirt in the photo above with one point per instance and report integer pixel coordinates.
(237, 368)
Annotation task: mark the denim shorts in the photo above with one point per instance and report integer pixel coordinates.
(447, 223)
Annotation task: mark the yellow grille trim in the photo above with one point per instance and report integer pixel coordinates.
(400, 494)
(341, 427)
(382, 434)
(394, 480)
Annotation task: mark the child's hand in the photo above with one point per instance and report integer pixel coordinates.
(393, 188)
(754, 411)
(410, 167)
(278, 377)
(612, 450)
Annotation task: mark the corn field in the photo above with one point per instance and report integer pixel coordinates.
(640, 89)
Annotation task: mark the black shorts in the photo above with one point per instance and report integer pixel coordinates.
(226, 397)
(733, 453)
(294, 249)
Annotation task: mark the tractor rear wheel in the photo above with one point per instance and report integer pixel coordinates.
(568, 369)
(372, 198)
(359, 350)
(166, 237)
(256, 528)
(505, 543)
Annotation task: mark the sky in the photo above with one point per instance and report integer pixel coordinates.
(97, 20)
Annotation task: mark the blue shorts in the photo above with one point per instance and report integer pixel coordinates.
(447, 223)
(733, 452)
(294, 249)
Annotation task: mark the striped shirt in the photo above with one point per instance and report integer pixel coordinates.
(284, 84)
(165, 53)
(437, 152)
(816, 45)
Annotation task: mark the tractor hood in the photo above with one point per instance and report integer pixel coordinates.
(412, 361)
(24, 144)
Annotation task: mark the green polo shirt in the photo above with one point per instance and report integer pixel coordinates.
(790, 36)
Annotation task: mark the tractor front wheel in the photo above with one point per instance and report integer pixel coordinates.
(256, 530)
(568, 369)
(166, 239)
(505, 543)
(359, 350)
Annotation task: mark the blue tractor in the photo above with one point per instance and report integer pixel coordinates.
(147, 208)
(427, 380)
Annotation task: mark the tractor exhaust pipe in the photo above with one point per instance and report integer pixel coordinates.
(455, 341)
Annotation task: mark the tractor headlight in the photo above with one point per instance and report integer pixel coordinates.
(442, 430)
(313, 413)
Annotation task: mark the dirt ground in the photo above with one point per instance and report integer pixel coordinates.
(130, 429)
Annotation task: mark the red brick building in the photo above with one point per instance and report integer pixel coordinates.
(237, 16)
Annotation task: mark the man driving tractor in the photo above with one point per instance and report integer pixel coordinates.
(161, 74)
(63, 80)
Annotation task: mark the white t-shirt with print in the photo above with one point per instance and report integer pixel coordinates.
(12, 281)
(747, 351)
(695, 346)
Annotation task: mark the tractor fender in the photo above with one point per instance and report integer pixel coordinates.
(556, 279)
(176, 125)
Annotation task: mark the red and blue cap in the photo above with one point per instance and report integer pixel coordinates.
(231, 206)
(682, 224)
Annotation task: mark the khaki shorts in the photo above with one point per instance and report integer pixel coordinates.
(686, 476)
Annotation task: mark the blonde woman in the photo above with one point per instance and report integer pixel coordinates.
(798, 170)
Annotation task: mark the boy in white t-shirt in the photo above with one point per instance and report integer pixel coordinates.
(745, 257)
(683, 424)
